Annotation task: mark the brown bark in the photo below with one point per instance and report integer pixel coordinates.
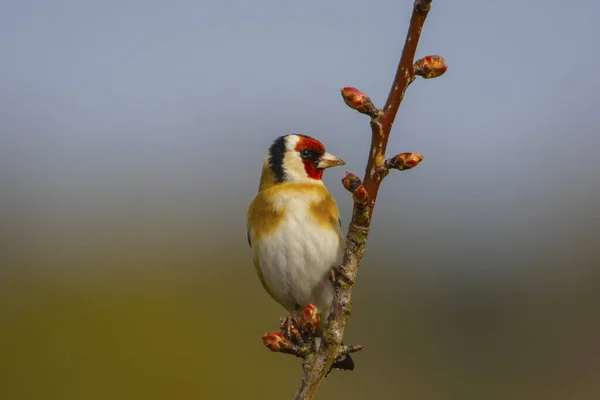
(317, 365)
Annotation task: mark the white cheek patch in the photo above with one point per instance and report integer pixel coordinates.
(294, 167)
(292, 163)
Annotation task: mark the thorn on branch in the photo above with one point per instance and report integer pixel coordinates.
(430, 67)
(351, 349)
(403, 161)
(354, 185)
(359, 101)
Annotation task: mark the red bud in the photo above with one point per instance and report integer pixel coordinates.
(351, 181)
(310, 319)
(358, 101)
(354, 185)
(275, 341)
(360, 194)
(431, 67)
(404, 161)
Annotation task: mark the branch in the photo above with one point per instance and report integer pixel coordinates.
(318, 360)
(317, 366)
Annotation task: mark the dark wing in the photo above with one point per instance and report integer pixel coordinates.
(340, 221)
(249, 240)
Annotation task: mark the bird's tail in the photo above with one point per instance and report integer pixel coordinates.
(344, 363)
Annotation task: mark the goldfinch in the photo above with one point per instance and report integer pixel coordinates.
(293, 227)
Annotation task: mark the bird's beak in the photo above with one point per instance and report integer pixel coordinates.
(329, 160)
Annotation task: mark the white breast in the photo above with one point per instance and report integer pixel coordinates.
(296, 259)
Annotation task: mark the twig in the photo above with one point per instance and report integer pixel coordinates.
(317, 362)
(317, 366)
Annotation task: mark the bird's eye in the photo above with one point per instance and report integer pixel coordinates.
(305, 153)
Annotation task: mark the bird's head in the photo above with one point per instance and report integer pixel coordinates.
(298, 157)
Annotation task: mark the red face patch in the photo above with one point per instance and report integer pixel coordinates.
(309, 143)
(316, 149)
(311, 170)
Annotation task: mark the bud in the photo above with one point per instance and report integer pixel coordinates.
(431, 67)
(310, 319)
(351, 181)
(423, 5)
(360, 195)
(275, 341)
(358, 101)
(404, 161)
(354, 185)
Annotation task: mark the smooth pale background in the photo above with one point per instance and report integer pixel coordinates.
(132, 134)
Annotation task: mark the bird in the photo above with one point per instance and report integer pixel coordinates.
(294, 227)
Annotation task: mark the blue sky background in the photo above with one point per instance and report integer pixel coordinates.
(132, 134)
(162, 111)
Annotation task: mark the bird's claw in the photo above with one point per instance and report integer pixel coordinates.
(290, 328)
(300, 330)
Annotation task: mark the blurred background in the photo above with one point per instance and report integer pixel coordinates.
(132, 137)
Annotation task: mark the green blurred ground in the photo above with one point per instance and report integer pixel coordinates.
(183, 332)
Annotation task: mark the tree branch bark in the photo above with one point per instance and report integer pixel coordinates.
(317, 365)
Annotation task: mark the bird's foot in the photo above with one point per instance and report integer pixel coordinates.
(296, 335)
(290, 328)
